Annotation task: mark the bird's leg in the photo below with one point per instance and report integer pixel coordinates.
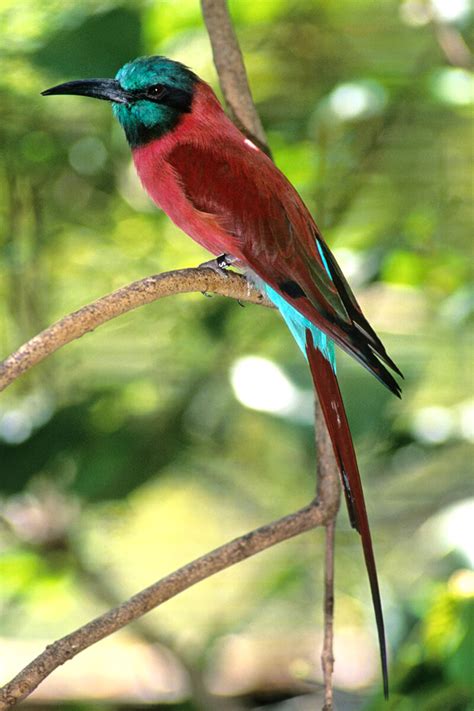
(220, 263)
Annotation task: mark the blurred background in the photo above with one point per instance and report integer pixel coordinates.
(179, 426)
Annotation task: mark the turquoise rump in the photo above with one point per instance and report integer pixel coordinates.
(299, 324)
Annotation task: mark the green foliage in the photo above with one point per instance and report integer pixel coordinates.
(92, 45)
(128, 452)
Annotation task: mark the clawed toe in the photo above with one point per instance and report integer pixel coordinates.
(218, 265)
(214, 266)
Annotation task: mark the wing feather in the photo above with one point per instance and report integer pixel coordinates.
(271, 231)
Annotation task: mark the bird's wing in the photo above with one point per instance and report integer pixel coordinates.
(271, 230)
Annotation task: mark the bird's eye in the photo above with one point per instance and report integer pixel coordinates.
(156, 92)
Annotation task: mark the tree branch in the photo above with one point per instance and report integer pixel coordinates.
(453, 45)
(322, 511)
(231, 71)
(317, 513)
(119, 302)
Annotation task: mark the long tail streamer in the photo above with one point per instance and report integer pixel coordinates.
(327, 389)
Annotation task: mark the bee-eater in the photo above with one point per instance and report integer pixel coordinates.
(228, 195)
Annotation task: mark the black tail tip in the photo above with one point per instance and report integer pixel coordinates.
(384, 662)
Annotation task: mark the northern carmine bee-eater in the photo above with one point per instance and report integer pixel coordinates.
(227, 194)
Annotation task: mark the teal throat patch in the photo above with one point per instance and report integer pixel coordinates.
(161, 91)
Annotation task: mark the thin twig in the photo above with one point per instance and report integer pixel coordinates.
(119, 302)
(327, 656)
(327, 468)
(453, 45)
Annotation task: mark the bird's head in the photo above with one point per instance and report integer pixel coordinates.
(149, 96)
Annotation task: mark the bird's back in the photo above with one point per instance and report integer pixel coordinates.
(224, 192)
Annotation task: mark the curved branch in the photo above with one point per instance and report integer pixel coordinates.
(318, 513)
(119, 302)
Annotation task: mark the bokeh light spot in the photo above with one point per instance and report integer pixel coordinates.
(466, 420)
(450, 10)
(461, 583)
(357, 100)
(88, 155)
(261, 385)
(454, 86)
(15, 426)
(415, 13)
(433, 425)
(456, 527)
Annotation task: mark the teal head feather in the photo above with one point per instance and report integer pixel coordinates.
(160, 91)
(149, 96)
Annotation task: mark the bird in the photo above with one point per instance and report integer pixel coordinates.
(227, 194)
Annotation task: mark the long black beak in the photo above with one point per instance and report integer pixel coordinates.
(106, 89)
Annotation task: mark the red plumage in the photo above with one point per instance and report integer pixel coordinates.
(220, 189)
(226, 194)
(330, 397)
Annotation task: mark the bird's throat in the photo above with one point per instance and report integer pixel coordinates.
(144, 122)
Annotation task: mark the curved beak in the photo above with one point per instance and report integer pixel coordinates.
(105, 89)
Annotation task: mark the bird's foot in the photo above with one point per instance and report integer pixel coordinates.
(219, 264)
